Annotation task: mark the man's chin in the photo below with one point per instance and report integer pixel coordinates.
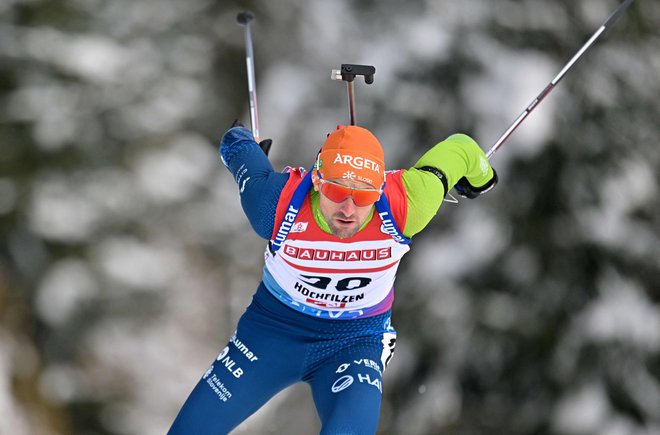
(344, 232)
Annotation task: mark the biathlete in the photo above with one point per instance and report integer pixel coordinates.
(321, 313)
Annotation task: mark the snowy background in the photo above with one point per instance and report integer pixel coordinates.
(125, 259)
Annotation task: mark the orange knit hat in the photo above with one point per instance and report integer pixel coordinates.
(351, 153)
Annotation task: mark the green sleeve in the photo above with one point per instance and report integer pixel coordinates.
(457, 156)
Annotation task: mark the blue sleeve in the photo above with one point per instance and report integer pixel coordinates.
(259, 185)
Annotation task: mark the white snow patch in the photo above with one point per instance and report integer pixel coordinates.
(58, 212)
(66, 285)
(136, 264)
(623, 313)
(582, 410)
(172, 174)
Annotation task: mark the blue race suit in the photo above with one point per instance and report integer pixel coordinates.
(275, 346)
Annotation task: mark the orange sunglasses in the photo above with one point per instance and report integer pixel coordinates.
(336, 192)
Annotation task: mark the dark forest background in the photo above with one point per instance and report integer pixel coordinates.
(125, 258)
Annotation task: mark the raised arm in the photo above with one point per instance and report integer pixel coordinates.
(457, 159)
(258, 184)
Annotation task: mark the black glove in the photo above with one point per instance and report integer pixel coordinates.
(237, 123)
(467, 190)
(264, 144)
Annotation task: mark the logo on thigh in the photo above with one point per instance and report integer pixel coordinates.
(342, 383)
(346, 380)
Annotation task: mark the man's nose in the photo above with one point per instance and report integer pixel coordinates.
(348, 206)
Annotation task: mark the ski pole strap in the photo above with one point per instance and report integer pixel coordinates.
(292, 212)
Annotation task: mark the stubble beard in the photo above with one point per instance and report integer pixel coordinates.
(344, 232)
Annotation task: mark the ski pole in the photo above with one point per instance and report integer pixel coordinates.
(244, 18)
(544, 93)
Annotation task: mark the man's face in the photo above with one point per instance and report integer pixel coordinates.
(344, 218)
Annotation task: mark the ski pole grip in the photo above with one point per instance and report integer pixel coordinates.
(349, 71)
(243, 18)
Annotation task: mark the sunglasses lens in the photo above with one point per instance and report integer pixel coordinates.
(337, 193)
(365, 197)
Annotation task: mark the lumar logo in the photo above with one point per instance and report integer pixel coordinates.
(357, 162)
(285, 227)
(388, 227)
